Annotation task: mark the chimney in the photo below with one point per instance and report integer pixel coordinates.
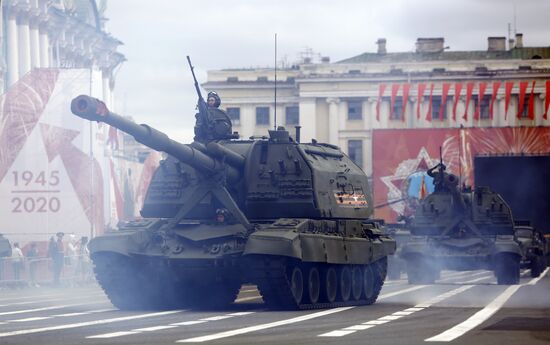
(519, 40)
(381, 46)
(430, 45)
(496, 44)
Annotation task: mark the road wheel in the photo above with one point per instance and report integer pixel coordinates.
(507, 268)
(345, 283)
(368, 282)
(297, 284)
(313, 285)
(329, 285)
(537, 266)
(356, 283)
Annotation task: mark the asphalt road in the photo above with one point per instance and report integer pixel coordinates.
(462, 308)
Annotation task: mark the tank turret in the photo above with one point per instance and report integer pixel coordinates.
(293, 218)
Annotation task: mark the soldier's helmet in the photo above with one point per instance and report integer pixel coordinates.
(217, 99)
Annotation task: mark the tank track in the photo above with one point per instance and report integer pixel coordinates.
(274, 277)
(134, 285)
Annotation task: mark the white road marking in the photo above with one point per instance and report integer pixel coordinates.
(152, 329)
(111, 335)
(394, 316)
(399, 292)
(87, 323)
(31, 319)
(52, 300)
(216, 318)
(187, 323)
(39, 309)
(247, 299)
(482, 315)
(242, 313)
(263, 326)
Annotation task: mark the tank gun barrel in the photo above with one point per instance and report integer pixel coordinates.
(92, 109)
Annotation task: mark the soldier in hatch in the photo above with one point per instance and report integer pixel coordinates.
(214, 124)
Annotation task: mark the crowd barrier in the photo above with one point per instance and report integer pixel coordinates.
(39, 271)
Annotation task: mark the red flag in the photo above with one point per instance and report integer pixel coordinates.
(444, 92)
(469, 91)
(496, 86)
(406, 88)
(508, 92)
(429, 113)
(546, 100)
(423, 191)
(458, 88)
(112, 138)
(394, 90)
(482, 88)
(381, 89)
(531, 104)
(521, 98)
(421, 88)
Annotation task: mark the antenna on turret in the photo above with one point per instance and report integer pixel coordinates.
(275, 106)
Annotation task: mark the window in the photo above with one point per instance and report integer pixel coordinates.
(483, 107)
(355, 110)
(355, 151)
(292, 115)
(262, 79)
(235, 115)
(436, 105)
(525, 111)
(397, 111)
(262, 116)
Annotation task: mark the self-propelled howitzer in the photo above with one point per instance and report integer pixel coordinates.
(290, 217)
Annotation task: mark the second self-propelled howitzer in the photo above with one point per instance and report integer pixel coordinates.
(291, 218)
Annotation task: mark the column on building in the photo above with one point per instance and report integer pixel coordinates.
(498, 111)
(12, 50)
(333, 121)
(369, 121)
(34, 42)
(24, 43)
(410, 115)
(308, 119)
(44, 45)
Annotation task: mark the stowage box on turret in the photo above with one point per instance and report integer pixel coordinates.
(290, 217)
(461, 230)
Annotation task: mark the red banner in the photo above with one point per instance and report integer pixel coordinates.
(381, 89)
(469, 91)
(496, 86)
(531, 104)
(482, 88)
(508, 92)
(458, 88)
(521, 97)
(429, 113)
(394, 90)
(421, 88)
(444, 93)
(406, 89)
(546, 100)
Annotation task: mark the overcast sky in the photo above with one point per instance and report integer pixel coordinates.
(155, 85)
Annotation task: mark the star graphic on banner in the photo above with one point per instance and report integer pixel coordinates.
(395, 183)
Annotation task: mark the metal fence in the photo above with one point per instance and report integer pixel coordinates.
(39, 271)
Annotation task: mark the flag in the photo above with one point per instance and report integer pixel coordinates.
(546, 100)
(112, 138)
(381, 89)
(422, 192)
(482, 88)
(421, 88)
(496, 86)
(531, 104)
(469, 91)
(521, 98)
(444, 92)
(429, 113)
(394, 90)
(508, 92)
(406, 89)
(458, 88)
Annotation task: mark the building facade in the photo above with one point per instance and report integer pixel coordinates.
(56, 34)
(342, 103)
